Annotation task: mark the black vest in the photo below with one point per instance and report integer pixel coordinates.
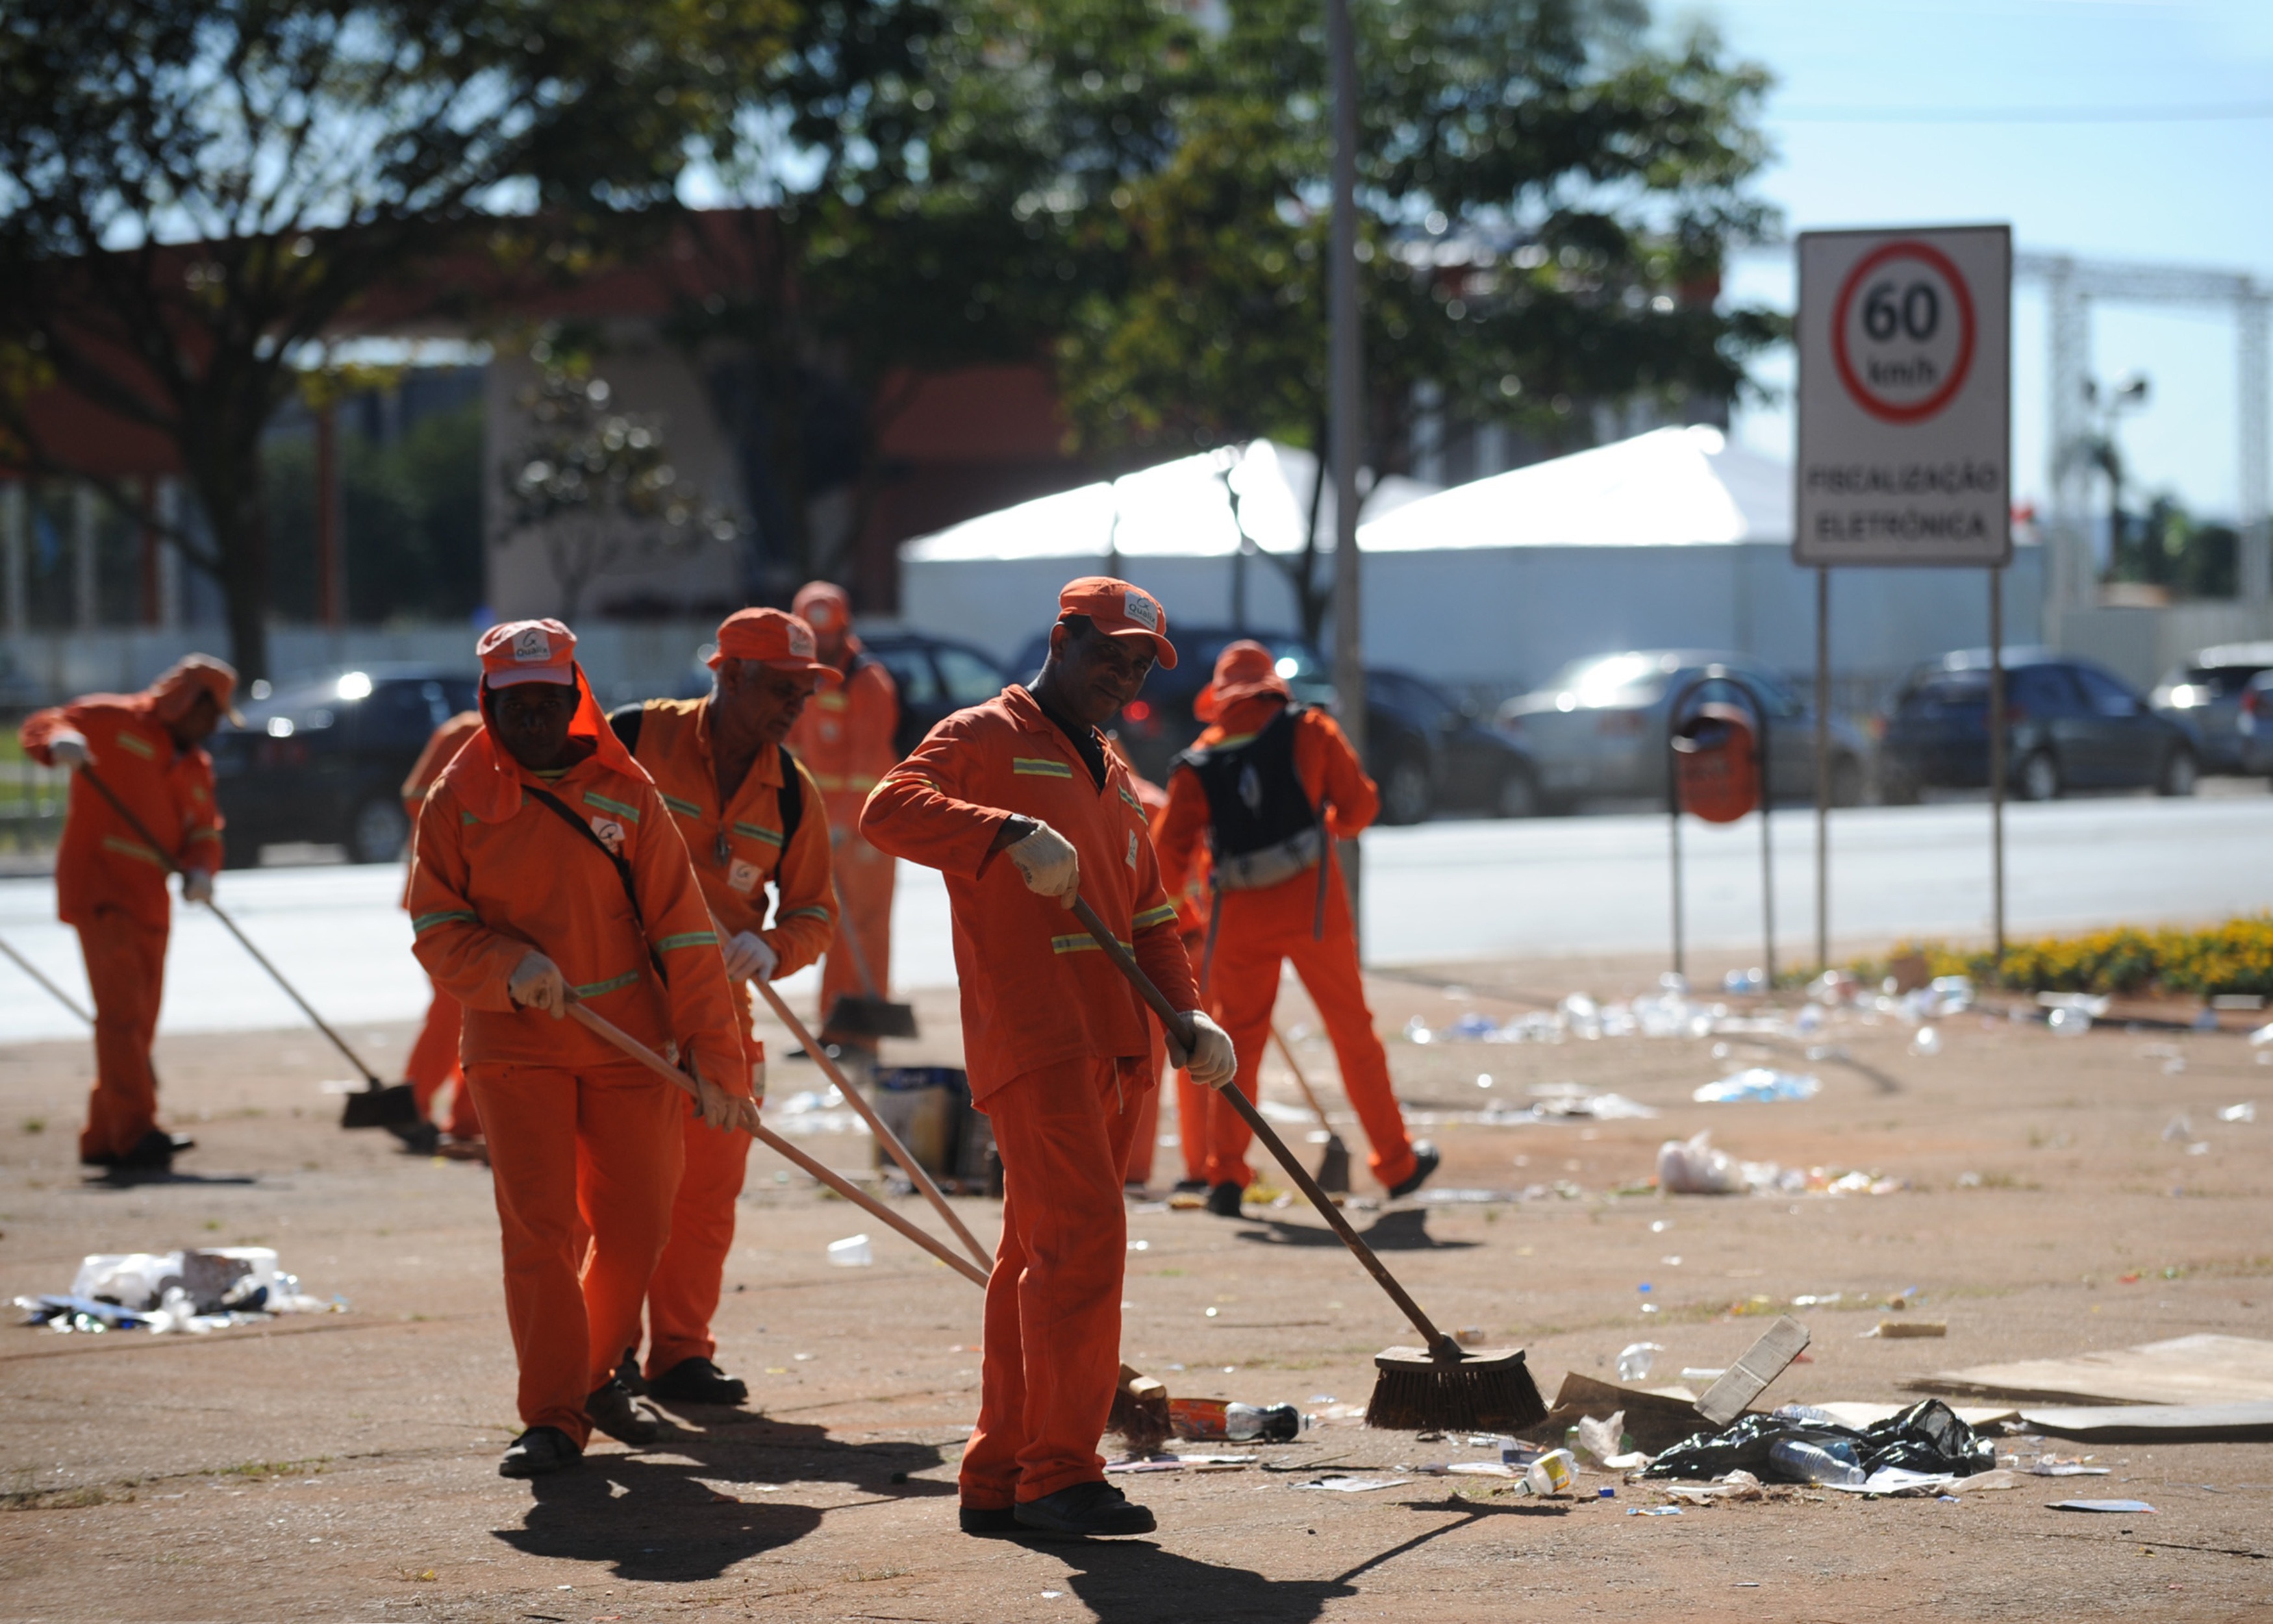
(1261, 828)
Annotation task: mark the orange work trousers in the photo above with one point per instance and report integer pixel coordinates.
(1191, 1109)
(1252, 941)
(434, 1061)
(595, 1151)
(1053, 1353)
(865, 880)
(126, 969)
(683, 1296)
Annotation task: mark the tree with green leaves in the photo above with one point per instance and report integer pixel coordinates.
(196, 196)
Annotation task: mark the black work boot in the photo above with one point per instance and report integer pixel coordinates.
(1224, 1200)
(539, 1450)
(610, 1409)
(1085, 1509)
(154, 1152)
(1425, 1161)
(698, 1381)
(627, 1374)
(988, 1521)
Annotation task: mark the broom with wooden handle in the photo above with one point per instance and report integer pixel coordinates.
(1437, 1385)
(612, 1033)
(1334, 1166)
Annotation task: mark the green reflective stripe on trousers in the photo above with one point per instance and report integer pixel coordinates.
(599, 987)
(424, 923)
(687, 938)
(772, 837)
(629, 814)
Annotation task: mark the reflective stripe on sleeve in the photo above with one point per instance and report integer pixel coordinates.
(1084, 943)
(688, 939)
(424, 923)
(630, 814)
(1032, 767)
(685, 809)
(1152, 916)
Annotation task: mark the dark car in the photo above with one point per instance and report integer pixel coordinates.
(937, 676)
(2252, 726)
(1423, 748)
(323, 761)
(2069, 724)
(2204, 694)
(1597, 728)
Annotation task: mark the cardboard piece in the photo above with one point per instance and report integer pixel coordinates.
(2186, 1370)
(1656, 1416)
(2156, 1423)
(1762, 1363)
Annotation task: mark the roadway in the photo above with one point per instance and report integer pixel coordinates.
(1441, 891)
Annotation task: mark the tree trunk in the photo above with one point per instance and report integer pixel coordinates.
(235, 517)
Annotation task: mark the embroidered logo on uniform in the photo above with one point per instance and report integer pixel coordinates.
(743, 876)
(801, 641)
(1141, 609)
(532, 646)
(1132, 848)
(611, 833)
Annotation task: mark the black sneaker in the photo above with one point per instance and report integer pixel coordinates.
(153, 1153)
(988, 1522)
(699, 1381)
(1224, 1200)
(627, 1374)
(1425, 1161)
(610, 1409)
(1085, 1509)
(418, 1138)
(538, 1451)
(1189, 1187)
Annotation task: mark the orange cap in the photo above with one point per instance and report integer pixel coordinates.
(824, 605)
(1120, 610)
(1242, 670)
(771, 638)
(521, 651)
(175, 691)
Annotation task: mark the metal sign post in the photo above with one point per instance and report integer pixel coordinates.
(1905, 438)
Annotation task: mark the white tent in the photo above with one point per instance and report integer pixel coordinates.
(1671, 539)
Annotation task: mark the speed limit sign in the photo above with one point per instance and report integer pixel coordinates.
(1905, 397)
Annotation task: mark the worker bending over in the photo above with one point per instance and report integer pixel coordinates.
(845, 738)
(1271, 785)
(148, 749)
(433, 1059)
(752, 818)
(548, 868)
(1016, 801)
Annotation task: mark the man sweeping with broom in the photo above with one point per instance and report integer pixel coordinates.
(1016, 801)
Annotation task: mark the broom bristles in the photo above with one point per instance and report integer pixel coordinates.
(1489, 1389)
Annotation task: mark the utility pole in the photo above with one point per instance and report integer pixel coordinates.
(1347, 387)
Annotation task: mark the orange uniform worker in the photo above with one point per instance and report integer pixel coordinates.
(547, 865)
(434, 1055)
(1265, 783)
(751, 817)
(845, 738)
(148, 749)
(1017, 803)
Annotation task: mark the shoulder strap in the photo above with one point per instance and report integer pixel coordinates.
(624, 722)
(559, 809)
(791, 796)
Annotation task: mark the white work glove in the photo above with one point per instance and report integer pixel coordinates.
(718, 1108)
(536, 983)
(747, 955)
(68, 749)
(197, 885)
(1210, 1059)
(1051, 866)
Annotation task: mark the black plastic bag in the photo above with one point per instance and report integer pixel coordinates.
(1926, 1436)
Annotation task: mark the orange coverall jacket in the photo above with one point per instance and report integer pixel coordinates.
(1329, 770)
(738, 849)
(495, 873)
(102, 862)
(1037, 991)
(844, 738)
(447, 740)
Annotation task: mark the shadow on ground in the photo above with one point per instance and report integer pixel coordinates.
(1405, 1229)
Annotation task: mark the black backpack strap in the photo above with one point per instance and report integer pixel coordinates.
(624, 723)
(791, 796)
(559, 808)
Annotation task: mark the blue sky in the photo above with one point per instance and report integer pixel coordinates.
(2196, 192)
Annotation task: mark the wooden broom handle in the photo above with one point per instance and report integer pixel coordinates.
(1287, 1054)
(1179, 1026)
(776, 1143)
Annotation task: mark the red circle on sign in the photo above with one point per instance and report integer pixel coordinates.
(1917, 411)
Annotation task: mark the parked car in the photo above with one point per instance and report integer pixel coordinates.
(2252, 725)
(937, 676)
(2204, 692)
(1597, 728)
(323, 759)
(2069, 724)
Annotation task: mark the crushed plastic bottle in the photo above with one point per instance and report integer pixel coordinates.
(1798, 1461)
(1758, 1084)
(1635, 1358)
(1552, 1473)
(1210, 1419)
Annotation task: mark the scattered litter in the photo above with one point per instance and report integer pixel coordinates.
(1894, 1329)
(1635, 1358)
(1695, 1166)
(1653, 1511)
(2066, 1468)
(2246, 1111)
(1203, 1418)
(1899, 1483)
(1758, 1085)
(1604, 1441)
(1770, 1355)
(2092, 1004)
(2178, 1130)
(1567, 1102)
(2068, 1022)
(195, 1290)
(1177, 1462)
(852, 1252)
(1552, 1473)
(1706, 1373)
(1926, 1439)
(1354, 1486)
(813, 1112)
(1926, 1041)
(1986, 1482)
(2119, 1506)
(1736, 1485)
